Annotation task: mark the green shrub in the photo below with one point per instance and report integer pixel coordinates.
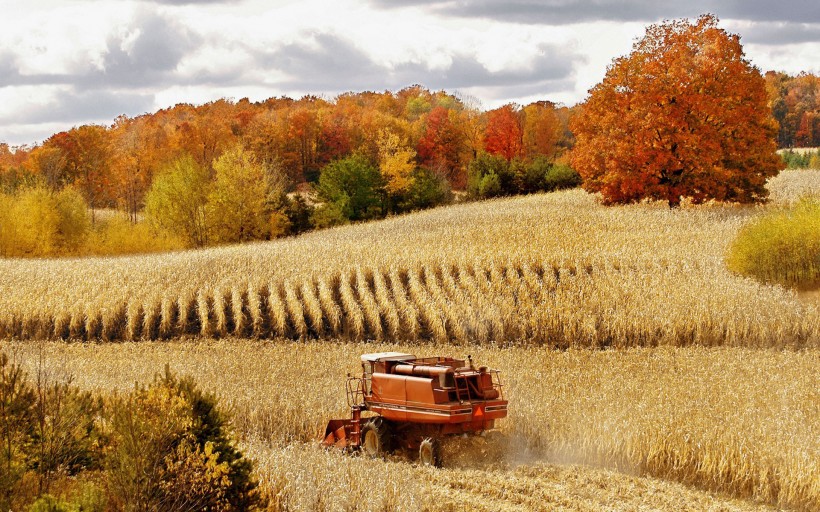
(490, 185)
(801, 159)
(488, 175)
(561, 176)
(354, 186)
(428, 189)
(781, 247)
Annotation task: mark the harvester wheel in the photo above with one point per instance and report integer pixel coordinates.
(376, 438)
(429, 452)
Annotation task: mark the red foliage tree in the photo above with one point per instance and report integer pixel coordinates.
(440, 146)
(504, 133)
(684, 115)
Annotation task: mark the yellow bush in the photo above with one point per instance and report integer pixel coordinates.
(781, 247)
(37, 222)
(118, 235)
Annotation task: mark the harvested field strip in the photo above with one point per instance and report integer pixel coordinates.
(557, 269)
(559, 304)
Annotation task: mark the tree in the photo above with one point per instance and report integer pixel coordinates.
(86, 151)
(683, 115)
(177, 201)
(352, 188)
(237, 202)
(441, 145)
(396, 161)
(541, 130)
(503, 135)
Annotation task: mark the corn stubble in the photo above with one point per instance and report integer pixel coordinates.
(556, 270)
(742, 422)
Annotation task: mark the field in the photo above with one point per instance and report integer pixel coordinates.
(702, 416)
(704, 392)
(556, 270)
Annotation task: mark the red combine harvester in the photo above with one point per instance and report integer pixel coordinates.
(417, 401)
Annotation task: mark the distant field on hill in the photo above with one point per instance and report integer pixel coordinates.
(555, 269)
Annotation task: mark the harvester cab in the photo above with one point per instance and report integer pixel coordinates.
(414, 403)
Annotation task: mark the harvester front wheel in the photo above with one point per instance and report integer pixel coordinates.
(376, 438)
(429, 452)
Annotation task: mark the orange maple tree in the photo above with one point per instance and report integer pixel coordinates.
(684, 115)
(503, 135)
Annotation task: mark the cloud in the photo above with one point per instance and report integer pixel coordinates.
(333, 64)
(558, 12)
(10, 74)
(195, 2)
(146, 55)
(776, 34)
(69, 106)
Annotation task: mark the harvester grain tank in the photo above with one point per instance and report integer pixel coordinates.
(414, 403)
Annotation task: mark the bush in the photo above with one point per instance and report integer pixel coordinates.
(560, 176)
(488, 175)
(17, 399)
(298, 213)
(491, 175)
(801, 159)
(781, 247)
(118, 235)
(38, 222)
(171, 451)
(428, 189)
(329, 215)
(814, 161)
(90, 498)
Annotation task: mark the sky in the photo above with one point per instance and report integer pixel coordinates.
(65, 63)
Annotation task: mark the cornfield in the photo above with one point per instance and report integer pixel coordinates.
(556, 270)
(738, 421)
(695, 393)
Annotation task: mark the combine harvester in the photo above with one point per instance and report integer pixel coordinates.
(417, 402)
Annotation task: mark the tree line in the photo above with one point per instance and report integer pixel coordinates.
(114, 166)
(795, 104)
(230, 171)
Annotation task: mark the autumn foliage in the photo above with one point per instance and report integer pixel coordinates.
(684, 115)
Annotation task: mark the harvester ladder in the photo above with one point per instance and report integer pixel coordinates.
(462, 391)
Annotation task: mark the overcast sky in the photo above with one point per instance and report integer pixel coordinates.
(65, 63)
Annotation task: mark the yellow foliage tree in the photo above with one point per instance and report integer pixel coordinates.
(396, 162)
(238, 199)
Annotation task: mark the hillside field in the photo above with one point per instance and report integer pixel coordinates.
(555, 270)
(702, 391)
